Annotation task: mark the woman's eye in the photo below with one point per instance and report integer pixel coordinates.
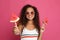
(27, 13)
(31, 12)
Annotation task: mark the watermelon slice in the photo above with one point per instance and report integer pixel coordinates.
(14, 18)
(45, 20)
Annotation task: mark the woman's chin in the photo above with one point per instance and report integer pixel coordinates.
(30, 19)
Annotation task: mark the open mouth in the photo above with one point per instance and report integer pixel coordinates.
(29, 16)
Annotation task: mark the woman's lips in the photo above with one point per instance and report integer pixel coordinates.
(30, 16)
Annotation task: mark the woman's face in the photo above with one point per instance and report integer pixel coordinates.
(30, 13)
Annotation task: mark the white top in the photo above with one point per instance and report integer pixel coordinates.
(29, 34)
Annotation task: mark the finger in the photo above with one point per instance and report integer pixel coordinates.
(15, 24)
(43, 28)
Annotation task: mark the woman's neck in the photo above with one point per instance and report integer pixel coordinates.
(30, 25)
(30, 22)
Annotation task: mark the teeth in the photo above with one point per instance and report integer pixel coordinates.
(30, 16)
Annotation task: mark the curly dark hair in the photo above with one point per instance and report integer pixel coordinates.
(23, 20)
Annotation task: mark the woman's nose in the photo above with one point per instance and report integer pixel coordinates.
(29, 14)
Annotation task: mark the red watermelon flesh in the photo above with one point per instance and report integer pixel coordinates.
(14, 18)
(46, 20)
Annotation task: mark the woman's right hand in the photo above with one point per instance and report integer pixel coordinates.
(16, 30)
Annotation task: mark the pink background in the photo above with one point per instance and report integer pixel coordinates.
(46, 8)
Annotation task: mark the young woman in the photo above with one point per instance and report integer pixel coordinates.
(28, 27)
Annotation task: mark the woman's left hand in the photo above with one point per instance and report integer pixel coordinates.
(44, 23)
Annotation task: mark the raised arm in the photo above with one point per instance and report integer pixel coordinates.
(42, 29)
(17, 29)
(40, 37)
